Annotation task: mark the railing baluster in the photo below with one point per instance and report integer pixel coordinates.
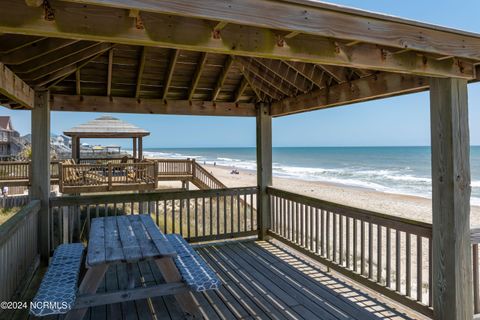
(379, 254)
(203, 216)
(420, 269)
(196, 217)
(408, 264)
(311, 228)
(362, 247)
(334, 236)
(370, 251)
(398, 262)
(389, 258)
(340, 244)
(355, 250)
(347, 223)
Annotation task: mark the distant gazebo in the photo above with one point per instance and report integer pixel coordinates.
(107, 127)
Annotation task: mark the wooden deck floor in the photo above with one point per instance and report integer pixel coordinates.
(261, 280)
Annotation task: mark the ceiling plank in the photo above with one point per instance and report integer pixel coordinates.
(35, 50)
(376, 86)
(171, 68)
(141, 67)
(15, 88)
(222, 77)
(109, 72)
(150, 106)
(319, 19)
(96, 23)
(198, 74)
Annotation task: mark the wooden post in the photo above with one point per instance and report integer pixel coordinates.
(452, 262)
(140, 148)
(78, 150)
(74, 147)
(40, 188)
(264, 167)
(134, 147)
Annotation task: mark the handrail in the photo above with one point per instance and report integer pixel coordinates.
(19, 250)
(199, 215)
(391, 255)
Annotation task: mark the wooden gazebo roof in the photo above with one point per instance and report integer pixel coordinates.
(219, 57)
(106, 127)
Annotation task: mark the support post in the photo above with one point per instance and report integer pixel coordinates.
(452, 262)
(134, 147)
(140, 148)
(74, 147)
(264, 167)
(40, 188)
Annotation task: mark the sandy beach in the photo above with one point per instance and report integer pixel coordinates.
(411, 207)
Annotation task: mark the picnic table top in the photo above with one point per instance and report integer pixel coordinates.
(126, 238)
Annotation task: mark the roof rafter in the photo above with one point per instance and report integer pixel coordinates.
(71, 21)
(222, 77)
(311, 72)
(141, 67)
(240, 89)
(259, 85)
(289, 74)
(171, 68)
(198, 74)
(35, 50)
(339, 74)
(109, 72)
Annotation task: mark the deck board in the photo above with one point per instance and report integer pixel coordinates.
(261, 280)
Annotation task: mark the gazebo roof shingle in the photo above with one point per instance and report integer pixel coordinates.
(106, 127)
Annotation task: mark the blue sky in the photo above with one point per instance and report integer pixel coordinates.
(396, 121)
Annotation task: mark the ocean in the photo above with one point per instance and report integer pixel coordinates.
(401, 170)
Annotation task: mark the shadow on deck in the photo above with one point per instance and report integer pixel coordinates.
(260, 280)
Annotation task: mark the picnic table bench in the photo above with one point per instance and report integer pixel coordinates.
(122, 239)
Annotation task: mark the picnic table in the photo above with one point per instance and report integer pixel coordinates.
(129, 239)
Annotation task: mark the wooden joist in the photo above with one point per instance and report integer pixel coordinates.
(151, 106)
(260, 86)
(314, 74)
(289, 74)
(241, 89)
(109, 72)
(96, 23)
(78, 88)
(35, 50)
(15, 88)
(338, 73)
(372, 87)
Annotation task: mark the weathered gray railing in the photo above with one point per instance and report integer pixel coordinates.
(204, 179)
(20, 170)
(475, 239)
(18, 250)
(199, 215)
(389, 254)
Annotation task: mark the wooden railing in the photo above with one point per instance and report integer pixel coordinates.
(204, 179)
(174, 167)
(14, 170)
(18, 250)
(78, 178)
(199, 215)
(475, 239)
(104, 160)
(389, 254)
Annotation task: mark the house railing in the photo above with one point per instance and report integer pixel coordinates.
(20, 170)
(204, 179)
(389, 254)
(18, 250)
(199, 215)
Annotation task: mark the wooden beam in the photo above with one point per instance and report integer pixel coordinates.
(12, 42)
(171, 68)
(264, 167)
(78, 89)
(15, 88)
(222, 77)
(369, 88)
(241, 89)
(339, 74)
(311, 72)
(316, 18)
(35, 50)
(141, 67)
(198, 74)
(40, 176)
(96, 23)
(109, 72)
(150, 106)
(287, 73)
(261, 72)
(452, 262)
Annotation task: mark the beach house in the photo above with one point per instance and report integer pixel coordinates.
(251, 252)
